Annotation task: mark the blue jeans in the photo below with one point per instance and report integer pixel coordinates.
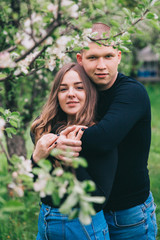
(136, 223)
(52, 225)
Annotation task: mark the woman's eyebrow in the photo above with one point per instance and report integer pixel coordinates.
(78, 83)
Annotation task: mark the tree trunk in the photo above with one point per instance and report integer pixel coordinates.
(16, 145)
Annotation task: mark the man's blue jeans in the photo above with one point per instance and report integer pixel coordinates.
(136, 223)
(52, 225)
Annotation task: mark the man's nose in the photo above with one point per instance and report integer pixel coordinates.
(101, 63)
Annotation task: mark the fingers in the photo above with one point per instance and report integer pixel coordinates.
(64, 158)
(79, 135)
(68, 130)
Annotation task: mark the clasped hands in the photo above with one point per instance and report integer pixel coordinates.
(70, 138)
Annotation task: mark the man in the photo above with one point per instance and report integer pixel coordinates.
(125, 123)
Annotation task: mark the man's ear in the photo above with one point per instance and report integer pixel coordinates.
(79, 58)
(119, 57)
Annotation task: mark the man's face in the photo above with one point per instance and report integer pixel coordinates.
(101, 64)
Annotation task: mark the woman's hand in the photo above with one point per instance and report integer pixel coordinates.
(75, 134)
(44, 146)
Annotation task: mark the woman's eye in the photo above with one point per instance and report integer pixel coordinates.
(62, 89)
(80, 88)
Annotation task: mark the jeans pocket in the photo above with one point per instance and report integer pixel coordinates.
(153, 218)
(130, 217)
(106, 233)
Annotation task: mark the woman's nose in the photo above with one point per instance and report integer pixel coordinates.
(71, 92)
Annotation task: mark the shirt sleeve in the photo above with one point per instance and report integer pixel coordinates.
(129, 105)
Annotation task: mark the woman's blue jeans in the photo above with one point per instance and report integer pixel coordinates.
(52, 225)
(136, 223)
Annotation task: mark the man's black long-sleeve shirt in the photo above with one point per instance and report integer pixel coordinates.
(125, 123)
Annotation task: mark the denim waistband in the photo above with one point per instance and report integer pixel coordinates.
(149, 200)
(98, 220)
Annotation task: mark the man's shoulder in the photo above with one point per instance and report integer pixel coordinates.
(129, 83)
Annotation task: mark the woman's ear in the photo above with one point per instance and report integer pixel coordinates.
(79, 58)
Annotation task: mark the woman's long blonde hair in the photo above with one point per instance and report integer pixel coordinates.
(52, 114)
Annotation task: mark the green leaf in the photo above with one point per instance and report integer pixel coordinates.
(10, 131)
(151, 16)
(1, 110)
(93, 199)
(127, 12)
(13, 123)
(74, 213)
(69, 203)
(84, 218)
(45, 164)
(56, 199)
(3, 75)
(88, 186)
(15, 114)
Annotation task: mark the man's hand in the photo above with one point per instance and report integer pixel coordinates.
(44, 146)
(70, 139)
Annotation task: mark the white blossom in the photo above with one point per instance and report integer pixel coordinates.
(53, 8)
(51, 63)
(49, 41)
(62, 41)
(17, 188)
(24, 64)
(71, 7)
(58, 172)
(25, 167)
(63, 189)
(6, 60)
(2, 124)
(40, 184)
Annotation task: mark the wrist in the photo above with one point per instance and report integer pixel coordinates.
(35, 157)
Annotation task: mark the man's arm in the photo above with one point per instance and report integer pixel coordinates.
(129, 106)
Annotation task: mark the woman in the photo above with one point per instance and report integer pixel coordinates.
(72, 101)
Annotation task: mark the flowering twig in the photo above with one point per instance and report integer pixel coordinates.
(122, 32)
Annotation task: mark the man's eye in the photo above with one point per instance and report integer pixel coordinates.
(109, 56)
(92, 57)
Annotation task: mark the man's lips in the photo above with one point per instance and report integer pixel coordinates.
(101, 75)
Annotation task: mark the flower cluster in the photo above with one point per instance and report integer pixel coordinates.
(23, 65)
(21, 175)
(6, 60)
(2, 124)
(57, 51)
(68, 6)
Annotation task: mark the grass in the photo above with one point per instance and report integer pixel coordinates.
(23, 225)
(154, 157)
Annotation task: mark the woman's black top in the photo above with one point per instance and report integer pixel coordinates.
(95, 172)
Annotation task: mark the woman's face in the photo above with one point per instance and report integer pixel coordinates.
(71, 94)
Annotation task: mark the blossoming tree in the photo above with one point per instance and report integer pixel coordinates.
(38, 36)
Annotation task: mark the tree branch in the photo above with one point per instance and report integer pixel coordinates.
(31, 63)
(6, 154)
(52, 28)
(122, 32)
